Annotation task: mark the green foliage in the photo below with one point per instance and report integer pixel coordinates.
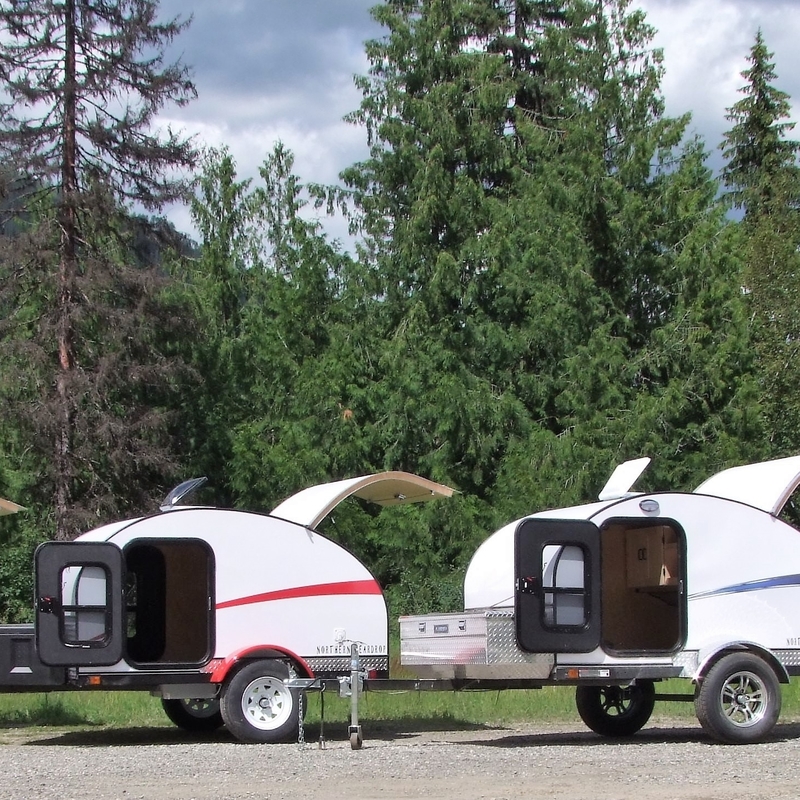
(558, 286)
(546, 284)
(18, 543)
(280, 351)
(759, 157)
(83, 321)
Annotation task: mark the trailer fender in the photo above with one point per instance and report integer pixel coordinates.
(220, 668)
(709, 656)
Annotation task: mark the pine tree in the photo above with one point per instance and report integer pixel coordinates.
(763, 177)
(761, 161)
(83, 82)
(535, 214)
(276, 352)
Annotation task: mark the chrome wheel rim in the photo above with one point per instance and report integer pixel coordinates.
(744, 699)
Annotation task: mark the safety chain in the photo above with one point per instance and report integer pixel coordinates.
(301, 734)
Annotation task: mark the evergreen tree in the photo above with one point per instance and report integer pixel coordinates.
(763, 177)
(278, 355)
(82, 83)
(545, 239)
(761, 161)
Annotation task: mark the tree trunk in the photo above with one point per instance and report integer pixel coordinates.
(66, 288)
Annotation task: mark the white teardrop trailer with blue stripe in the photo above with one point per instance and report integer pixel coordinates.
(230, 616)
(618, 595)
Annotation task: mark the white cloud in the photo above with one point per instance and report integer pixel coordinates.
(274, 71)
(706, 44)
(269, 70)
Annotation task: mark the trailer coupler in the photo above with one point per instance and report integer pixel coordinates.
(348, 686)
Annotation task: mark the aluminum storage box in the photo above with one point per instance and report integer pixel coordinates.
(473, 645)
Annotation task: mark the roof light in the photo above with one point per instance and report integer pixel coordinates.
(649, 506)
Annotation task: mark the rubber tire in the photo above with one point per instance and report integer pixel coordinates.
(710, 703)
(616, 711)
(240, 709)
(182, 714)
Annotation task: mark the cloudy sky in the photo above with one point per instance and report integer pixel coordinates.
(269, 70)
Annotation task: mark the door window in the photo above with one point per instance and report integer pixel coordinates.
(564, 586)
(85, 605)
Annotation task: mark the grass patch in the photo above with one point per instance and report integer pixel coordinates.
(405, 710)
(81, 709)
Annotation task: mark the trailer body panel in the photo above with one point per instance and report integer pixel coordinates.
(657, 578)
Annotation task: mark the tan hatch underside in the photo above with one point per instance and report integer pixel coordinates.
(7, 507)
(310, 506)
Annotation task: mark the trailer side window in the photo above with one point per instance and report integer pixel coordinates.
(85, 605)
(564, 584)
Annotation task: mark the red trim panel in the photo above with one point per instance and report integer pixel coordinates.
(316, 590)
(219, 667)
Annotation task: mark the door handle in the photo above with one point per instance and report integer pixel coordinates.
(47, 605)
(527, 585)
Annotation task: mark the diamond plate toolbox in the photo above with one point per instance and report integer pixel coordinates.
(471, 644)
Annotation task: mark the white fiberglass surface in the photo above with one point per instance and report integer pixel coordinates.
(623, 478)
(568, 567)
(767, 485)
(83, 586)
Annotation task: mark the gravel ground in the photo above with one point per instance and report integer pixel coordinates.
(666, 760)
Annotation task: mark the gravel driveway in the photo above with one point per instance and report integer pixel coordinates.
(665, 760)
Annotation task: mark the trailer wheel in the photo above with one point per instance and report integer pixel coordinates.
(257, 706)
(201, 715)
(616, 710)
(739, 700)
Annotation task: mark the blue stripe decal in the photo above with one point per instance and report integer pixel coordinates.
(778, 582)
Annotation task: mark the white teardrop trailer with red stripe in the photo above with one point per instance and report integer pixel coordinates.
(210, 609)
(231, 616)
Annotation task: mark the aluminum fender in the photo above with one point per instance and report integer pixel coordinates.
(711, 653)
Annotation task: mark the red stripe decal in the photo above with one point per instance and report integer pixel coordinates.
(317, 590)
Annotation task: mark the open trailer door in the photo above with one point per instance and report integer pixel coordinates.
(557, 585)
(79, 603)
